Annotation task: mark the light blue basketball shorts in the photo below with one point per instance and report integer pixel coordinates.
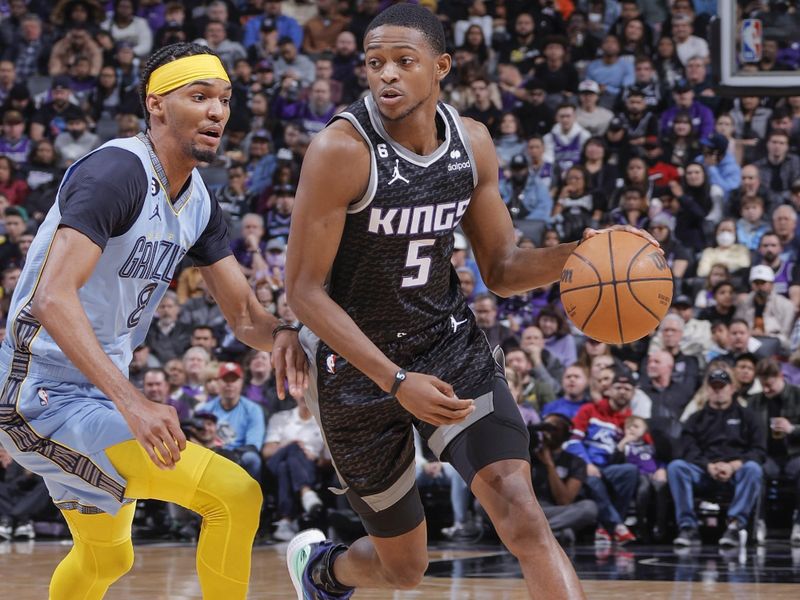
(60, 430)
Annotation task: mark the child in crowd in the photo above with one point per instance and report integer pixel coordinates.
(751, 225)
(638, 449)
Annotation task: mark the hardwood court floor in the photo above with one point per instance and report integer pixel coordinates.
(166, 572)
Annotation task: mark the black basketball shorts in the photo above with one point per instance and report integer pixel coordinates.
(369, 433)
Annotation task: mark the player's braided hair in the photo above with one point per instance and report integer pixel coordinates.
(161, 57)
(412, 16)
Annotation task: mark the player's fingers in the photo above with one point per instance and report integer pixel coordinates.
(279, 363)
(179, 437)
(454, 404)
(443, 387)
(172, 444)
(448, 417)
(152, 452)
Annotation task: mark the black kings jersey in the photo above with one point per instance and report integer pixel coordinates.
(392, 273)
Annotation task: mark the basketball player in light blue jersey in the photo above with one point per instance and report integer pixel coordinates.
(124, 217)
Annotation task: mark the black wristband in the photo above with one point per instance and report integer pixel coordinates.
(284, 326)
(399, 378)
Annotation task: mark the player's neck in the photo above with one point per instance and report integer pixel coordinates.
(177, 166)
(416, 132)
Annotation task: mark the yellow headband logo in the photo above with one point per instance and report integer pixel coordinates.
(178, 73)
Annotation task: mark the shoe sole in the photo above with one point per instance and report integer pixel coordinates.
(305, 538)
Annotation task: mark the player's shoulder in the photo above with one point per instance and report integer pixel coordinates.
(340, 138)
(115, 165)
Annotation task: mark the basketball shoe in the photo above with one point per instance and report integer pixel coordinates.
(306, 550)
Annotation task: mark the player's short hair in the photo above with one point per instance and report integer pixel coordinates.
(412, 16)
(161, 57)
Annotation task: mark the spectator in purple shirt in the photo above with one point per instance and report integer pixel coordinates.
(701, 115)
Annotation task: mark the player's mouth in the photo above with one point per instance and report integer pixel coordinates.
(390, 96)
(211, 135)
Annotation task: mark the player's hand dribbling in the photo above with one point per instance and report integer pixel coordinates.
(589, 233)
(157, 428)
(432, 400)
(289, 362)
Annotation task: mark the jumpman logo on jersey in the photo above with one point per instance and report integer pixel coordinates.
(396, 175)
(155, 214)
(456, 324)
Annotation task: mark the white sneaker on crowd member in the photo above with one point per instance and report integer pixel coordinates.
(285, 530)
(311, 502)
(6, 528)
(794, 539)
(25, 531)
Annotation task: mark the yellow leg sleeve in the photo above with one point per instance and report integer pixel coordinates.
(101, 554)
(227, 498)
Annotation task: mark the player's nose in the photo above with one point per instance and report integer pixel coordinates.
(389, 73)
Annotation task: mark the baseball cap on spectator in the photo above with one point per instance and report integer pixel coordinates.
(284, 154)
(230, 368)
(459, 242)
(682, 300)
(587, 86)
(76, 115)
(636, 90)
(762, 273)
(276, 244)
(12, 117)
(718, 378)
(268, 25)
(681, 86)
(615, 124)
(717, 142)
(264, 65)
(535, 84)
(261, 134)
(19, 92)
(624, 375)
(60, 82)
(206, 415)
(286, 189)
(651, 142)
(518, 161)
(663, 219)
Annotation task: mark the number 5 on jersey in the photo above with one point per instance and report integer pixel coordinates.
(415, 261)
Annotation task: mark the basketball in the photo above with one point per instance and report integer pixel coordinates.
(616, 287)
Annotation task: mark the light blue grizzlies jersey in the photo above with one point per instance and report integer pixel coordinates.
(52, 420)
(139, 258)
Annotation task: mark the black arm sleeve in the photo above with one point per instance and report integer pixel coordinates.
(213, 244)
(103, 195)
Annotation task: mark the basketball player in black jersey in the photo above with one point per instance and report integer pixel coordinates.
(391, 341)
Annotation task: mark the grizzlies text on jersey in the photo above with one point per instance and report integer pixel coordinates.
(52, 420)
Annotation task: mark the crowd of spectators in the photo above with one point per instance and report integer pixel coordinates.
(603, 112)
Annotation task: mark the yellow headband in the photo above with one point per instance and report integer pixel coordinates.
(178, 73)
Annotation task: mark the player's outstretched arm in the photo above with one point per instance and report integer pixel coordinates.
(506, 268)
(70, 262)
(253, 325)
(335, 172)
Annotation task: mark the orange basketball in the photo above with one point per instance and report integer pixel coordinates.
(616, 287)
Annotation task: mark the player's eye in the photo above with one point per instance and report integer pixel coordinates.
(226, 101)
(373, 63)
(405, 61)
(198, 97)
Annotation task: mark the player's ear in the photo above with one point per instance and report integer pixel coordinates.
(155, 105)
(443, 64)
